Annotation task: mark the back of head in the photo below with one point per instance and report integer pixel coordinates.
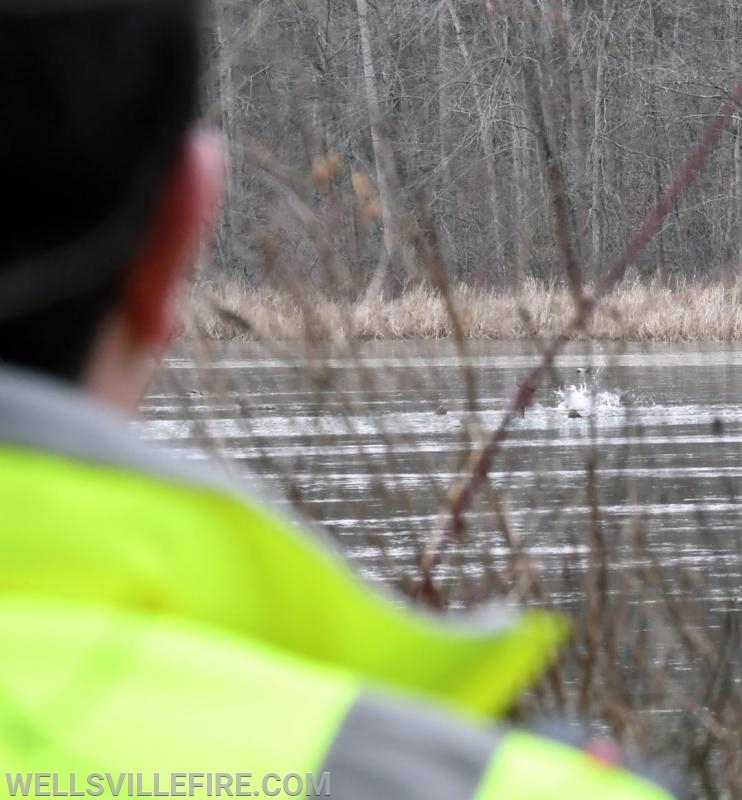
(97, 97)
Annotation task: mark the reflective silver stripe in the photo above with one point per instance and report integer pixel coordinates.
(397, 750)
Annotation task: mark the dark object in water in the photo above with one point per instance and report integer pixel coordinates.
(441, 410)
(530, 390)
(574, 414)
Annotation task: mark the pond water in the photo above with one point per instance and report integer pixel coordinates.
(371, 441)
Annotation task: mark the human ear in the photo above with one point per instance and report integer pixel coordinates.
(184, 209)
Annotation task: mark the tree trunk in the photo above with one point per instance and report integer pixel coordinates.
(225, 233)
(485, 136)
(383, 163)
(597, 206)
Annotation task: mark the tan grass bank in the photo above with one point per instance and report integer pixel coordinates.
(635, 312)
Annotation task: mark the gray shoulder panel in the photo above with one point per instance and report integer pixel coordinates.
(397, 750)
(44, 414)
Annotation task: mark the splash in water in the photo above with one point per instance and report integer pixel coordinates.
(585, 399)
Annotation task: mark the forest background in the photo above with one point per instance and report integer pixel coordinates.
(506, 128)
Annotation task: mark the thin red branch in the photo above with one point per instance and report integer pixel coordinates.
(523, 398)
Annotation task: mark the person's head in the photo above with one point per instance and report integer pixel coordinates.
(106, 184)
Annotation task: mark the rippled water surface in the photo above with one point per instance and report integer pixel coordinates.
(373, 441)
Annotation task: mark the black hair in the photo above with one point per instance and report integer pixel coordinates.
(95, 102)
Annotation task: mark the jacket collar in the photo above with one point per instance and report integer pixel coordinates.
(41, 413)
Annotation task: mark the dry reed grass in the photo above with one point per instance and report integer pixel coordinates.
(635, 311)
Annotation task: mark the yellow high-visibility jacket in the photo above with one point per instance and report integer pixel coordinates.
(154, 621)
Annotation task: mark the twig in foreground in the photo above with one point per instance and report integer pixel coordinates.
(523, 398)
